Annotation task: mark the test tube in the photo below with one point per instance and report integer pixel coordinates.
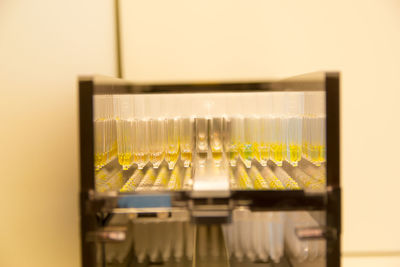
(276, 236)
(157, 132)
(202, 139)
(294, 113)
(247, 151)
(217, 112)
(142, 125)
(186, 130)
(216, 139)
(264, 110)
(172, 130)
(315, 139)
(278, 129)
(124, 112)
(186, 138)
(99, 131)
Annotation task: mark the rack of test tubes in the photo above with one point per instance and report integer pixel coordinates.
(260, 137)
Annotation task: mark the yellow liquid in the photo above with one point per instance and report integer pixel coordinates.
(172, 157)
(186, 156)
(305, 149)
(247, 154)
(233, 155)
(217, 156)
(294, 154)
(277, 153)
(156, 158)
(314, 154)
(321, 153)
(141, 159)
(125, 160)
(202, 157)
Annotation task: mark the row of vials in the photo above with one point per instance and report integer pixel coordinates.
(260, 126)
(251, 236)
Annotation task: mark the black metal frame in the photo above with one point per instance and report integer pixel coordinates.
(330, 202)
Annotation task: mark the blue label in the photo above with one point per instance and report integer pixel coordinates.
(144, 201)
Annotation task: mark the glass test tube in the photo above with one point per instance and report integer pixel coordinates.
(294, 111)
(278, 129)
(216, 139)
(172, 130)
(123, 108)
(186, 130)
(186, 140)
(157, 141)
(172, 154)
(201, 140)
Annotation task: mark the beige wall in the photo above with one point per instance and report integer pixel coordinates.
(44, 46)
(210, 40)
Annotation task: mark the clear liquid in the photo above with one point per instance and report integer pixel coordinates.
(233, 135)
(201, 134)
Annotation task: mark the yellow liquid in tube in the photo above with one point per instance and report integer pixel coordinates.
(294, 154)
(156, 159)
(141, 159)
(125, 160)
(277, 153)
(186, 156)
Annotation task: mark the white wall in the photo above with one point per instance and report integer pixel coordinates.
(44, 46)
(211, 40)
